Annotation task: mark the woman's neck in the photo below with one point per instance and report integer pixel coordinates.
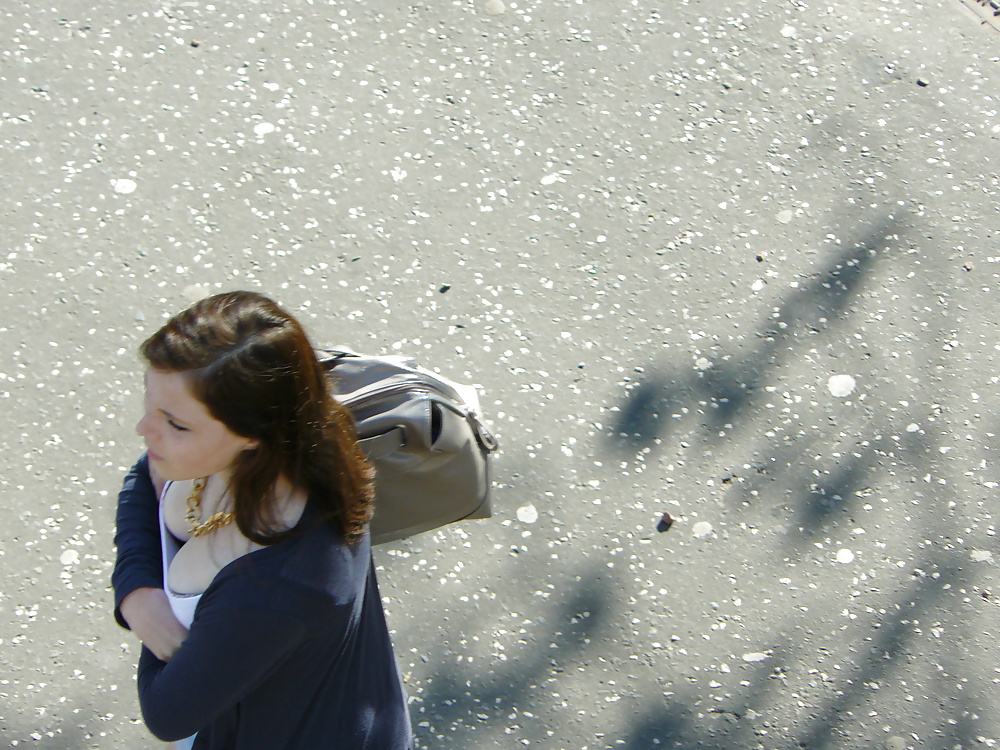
(289, 503)
(284, 506)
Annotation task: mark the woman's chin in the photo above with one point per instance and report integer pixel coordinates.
(164, 470)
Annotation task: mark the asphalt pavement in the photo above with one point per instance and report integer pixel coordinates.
(733, 263)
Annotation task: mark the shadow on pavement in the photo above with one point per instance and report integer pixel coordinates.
(726, 387)
(752, 718)
(458, 700)
(888, 640)
(885, 643)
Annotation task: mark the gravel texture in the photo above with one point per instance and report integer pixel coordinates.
(734, 263)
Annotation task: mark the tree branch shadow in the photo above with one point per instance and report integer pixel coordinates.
(465, 698)
(727, 385)
(745, 719)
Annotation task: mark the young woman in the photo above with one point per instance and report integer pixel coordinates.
(250, 580)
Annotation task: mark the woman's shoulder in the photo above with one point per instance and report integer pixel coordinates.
(320, 556)
(311, 569)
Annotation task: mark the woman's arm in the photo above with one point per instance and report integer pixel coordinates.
(140, 603)
(137, 536)
(250, 626)
(229, 652)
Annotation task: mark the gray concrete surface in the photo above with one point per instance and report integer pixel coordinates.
(658, 235)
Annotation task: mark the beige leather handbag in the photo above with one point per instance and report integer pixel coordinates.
(425, 436)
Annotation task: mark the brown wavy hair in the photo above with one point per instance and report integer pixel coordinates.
(252, 365)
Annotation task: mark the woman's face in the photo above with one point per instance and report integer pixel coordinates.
(183, 440)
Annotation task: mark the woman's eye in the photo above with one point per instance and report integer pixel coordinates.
(176, 426)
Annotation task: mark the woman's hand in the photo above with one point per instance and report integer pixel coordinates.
(148, 614)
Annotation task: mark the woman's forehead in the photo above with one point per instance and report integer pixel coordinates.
(171, 393)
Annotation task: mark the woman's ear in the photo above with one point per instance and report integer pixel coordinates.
(251, 445)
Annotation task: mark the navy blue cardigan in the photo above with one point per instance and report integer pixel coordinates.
(289, 648)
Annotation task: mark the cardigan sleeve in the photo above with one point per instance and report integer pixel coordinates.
(137, 537)
(230, 651)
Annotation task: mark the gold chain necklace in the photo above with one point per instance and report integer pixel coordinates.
(193, 516)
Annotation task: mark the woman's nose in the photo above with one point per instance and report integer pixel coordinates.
(142, 426)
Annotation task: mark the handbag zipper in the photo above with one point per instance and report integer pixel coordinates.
(370, 393)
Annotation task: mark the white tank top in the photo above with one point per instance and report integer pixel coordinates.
(183, 605)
